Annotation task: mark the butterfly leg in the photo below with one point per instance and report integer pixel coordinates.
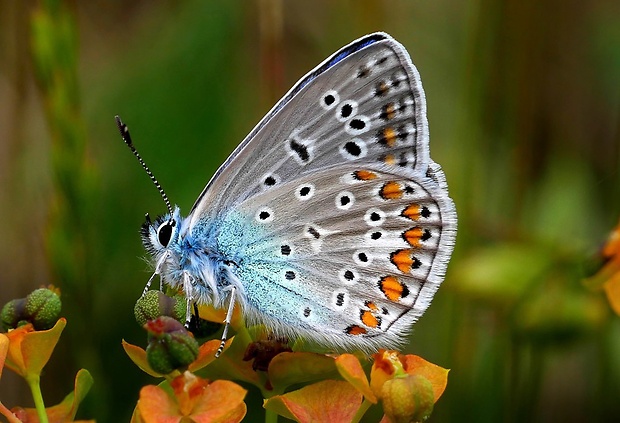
(158, 267)
(148, 283)
(155, 273)
(231, 307)
(187, 285)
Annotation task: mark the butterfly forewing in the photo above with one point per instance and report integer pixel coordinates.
(367, 107)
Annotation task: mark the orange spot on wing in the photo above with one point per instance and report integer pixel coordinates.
(413, 236)
(389, 159)
(392, 288)
(391, 191)
(372, 306)
(412, 212)
(389, 111)
(364, 175)
(388, 137)
(404, 260)
(369, 319)
(381, 88)
(355, 330)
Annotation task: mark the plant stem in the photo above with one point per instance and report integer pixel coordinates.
(35, 388)
(271, 416)
(361, 411)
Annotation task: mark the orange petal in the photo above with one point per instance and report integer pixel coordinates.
(206, 353)
(138, 356)
(29, 350)
(612, 247)
(436, 375)
(328, 401)
(156, 406)
(218, 315)
(386, 365)
(4, 349)
(612, 290)
(351, 370)
(15, 358)
(220, 401)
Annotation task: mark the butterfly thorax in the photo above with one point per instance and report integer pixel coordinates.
(187, 260)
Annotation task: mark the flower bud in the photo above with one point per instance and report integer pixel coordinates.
(387, 365)
(171, 346)
(407, 399)
(155, 303)
(13, 313)
(42, 308)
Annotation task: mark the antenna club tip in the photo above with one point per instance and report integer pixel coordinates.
(122, 128)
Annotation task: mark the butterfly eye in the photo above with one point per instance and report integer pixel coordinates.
(164, 232)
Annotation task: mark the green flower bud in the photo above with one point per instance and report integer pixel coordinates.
(171, 346)
(12, 313)
(155, 303)
(408, 399)
(42, 308)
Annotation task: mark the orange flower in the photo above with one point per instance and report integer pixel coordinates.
(611, 252)
(407, 385)
(29, 350)
(608, 277)
(194, 398)
(26, 352)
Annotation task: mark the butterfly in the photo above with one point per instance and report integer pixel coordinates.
(329, 222)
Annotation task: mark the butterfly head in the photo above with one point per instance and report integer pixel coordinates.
(160, 234)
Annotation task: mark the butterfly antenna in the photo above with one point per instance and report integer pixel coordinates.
(127, 138)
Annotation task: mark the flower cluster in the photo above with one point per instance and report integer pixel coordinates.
(335, 388)
(26, 349)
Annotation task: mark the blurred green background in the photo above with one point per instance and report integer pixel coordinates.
(524, 112)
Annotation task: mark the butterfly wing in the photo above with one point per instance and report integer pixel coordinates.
(338, 222)
(365, 102)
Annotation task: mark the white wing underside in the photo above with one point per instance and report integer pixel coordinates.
(354, 127)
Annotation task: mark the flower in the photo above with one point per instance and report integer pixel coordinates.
(29, 350)
(407, 385)
(608, 277)
(192, 398)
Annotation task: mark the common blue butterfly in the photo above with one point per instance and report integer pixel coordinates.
(330, 221)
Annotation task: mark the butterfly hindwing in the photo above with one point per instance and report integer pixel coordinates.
(351, 251)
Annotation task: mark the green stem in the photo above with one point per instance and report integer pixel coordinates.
(35, 388)
(271, 416)
(361, 411)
